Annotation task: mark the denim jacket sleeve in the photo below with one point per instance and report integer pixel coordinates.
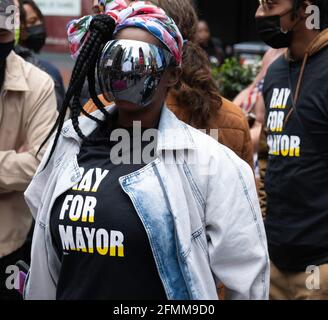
(35, 190)
(40, 284)
(235, 231)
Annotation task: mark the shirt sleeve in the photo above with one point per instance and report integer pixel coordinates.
(235, 232)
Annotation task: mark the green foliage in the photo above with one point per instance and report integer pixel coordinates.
(233, 77)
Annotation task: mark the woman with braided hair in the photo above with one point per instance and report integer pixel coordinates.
(131, 203)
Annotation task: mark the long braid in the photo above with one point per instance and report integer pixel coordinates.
(101, 31)
(93, 94)
(75, 113)
(76, 107)
(92, 91)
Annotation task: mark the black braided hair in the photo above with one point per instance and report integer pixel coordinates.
(323, 7)
(101, 31)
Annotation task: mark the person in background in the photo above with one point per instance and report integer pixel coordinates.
(213, 46)
(35, 30)
(296, 119)
(33, 37)
(196, 99)
(27, 113)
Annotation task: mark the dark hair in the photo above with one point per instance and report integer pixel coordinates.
(22, 15)
(34, 7)
(196, 89)
(323, 7)
(101, 31)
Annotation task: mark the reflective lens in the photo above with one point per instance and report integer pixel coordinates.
(131, 70)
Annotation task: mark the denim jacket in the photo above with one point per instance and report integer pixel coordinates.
(198, 205)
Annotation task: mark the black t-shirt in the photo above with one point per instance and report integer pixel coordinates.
(101, 241)
(296, 179)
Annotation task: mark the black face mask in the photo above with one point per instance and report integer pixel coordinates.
(269, 30)
(36, 38)
(5, 49)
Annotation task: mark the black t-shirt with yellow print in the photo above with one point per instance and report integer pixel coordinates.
(101, 241)
(296, 180)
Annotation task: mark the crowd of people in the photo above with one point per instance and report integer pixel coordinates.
(140, 181)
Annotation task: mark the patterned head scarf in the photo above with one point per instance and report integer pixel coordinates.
(139, 14)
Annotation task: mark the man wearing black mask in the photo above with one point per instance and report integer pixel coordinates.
(27, 113)
(295, 97)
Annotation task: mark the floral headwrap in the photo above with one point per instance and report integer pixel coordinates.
(139, 14)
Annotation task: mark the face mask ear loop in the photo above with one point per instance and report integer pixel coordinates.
(293, 27)
(285, 14)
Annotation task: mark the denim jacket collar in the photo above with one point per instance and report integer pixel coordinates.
(173, 134)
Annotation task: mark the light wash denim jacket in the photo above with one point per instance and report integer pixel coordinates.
(198, 205)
